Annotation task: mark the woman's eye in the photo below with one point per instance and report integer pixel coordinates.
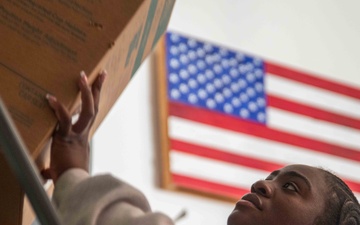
(290, 186)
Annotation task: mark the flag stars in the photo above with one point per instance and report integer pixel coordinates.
(243, 97)
(208, 47)
(261, 102)
(192, 55)
(226, 79)
(216, 78)
(242, 68)
(253, 107)
(210, 88)
(250, 77)
(184, 59)
(216, 57)
(257, 62)
(219, 98)
(234, 73)
(209, 59)
(242, 83)
(183, 48)
(244, 113)
(193, 98)
(210, 103)
(218, 69)
(259, 73)
(202, 94)
(175, 38)
(175, 94)
(201, 78)
(259, 87)
(261, 117)
(192, 43)
(173, 78)
(225, 63)
(218, 83)
(174, 63)
(249, 67)
(233, 62)
(240, 57)
(183, 88)
(192, 69)
(228, 108)
(227, 92)
(209, 74)
(192, 83)
(201, 64)
(174, 50)
(235, 102)
(223, 52)
(235, 87)
(184, 74)
(250, 92)
(200, 52)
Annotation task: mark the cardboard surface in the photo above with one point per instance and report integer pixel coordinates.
(44, 46)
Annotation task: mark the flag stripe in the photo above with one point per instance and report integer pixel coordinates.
(281, 103)
(312, 80)
(219, 172)
(212, 153)
(311, 95)
(313, 129)
(234, 124)
(214, 170)
(254, 147)
(207, 186)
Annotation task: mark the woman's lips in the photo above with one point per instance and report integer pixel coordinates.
(251, 200)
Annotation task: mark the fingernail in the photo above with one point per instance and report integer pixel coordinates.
(83, 76)
(52, 99)
(103, 75)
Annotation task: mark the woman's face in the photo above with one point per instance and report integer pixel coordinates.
(293, 195)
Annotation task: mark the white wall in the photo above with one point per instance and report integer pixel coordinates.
(318, 36)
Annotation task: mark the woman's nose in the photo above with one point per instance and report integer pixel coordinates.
(263, 188)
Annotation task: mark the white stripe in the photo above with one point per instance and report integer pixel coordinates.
(310, 95)
(214, 171)
(313, 128)
(251, 146)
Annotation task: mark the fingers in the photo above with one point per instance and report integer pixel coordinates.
(61, 114)
(90, 104)
(87, 109)
(96, 88)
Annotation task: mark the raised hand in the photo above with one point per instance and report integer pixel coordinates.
(70, 142)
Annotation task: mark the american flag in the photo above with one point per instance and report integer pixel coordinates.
(234, 118)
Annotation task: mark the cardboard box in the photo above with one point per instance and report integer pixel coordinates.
(44, 46)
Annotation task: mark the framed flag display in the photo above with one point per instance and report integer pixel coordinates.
(229, 118)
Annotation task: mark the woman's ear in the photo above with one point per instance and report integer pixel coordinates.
(350, 213)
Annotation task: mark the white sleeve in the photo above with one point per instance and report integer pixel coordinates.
(84, 200)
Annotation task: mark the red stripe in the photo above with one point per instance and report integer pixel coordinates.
(211, 153)
(208, 187)
(312, 80)
(223, 156)
(259, 130)
(224, 190)
(354, 186)
(312, 112)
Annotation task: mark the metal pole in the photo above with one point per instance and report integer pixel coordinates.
(26, 172)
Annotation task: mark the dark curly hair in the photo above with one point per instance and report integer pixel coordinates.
(342, 207)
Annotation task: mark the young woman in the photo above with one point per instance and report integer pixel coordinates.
(293, 195)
